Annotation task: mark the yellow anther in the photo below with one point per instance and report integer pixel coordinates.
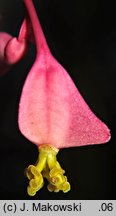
(30, 191)
(51, 187)
(57, 180)
(55, 171)
(48, 167)
(33, 184)
(56, 190)
(28, 174)
(32, 172)
(36, 183)
(66, 187)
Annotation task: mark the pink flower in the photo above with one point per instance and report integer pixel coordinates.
(52, 113)
(51, 109)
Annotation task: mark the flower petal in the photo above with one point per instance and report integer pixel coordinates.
(52, 110)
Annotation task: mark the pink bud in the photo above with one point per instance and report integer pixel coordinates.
(12, 49)
(51, 109)
(4, 39)
(15, 50)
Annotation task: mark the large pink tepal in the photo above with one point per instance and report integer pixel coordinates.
(51, 109)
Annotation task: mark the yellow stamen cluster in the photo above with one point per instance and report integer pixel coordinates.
(47, 167)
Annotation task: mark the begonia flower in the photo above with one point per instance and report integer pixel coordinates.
(53, 115)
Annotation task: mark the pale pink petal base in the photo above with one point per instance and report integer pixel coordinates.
(52, 111)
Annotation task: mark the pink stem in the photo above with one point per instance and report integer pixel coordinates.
(37, 30)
